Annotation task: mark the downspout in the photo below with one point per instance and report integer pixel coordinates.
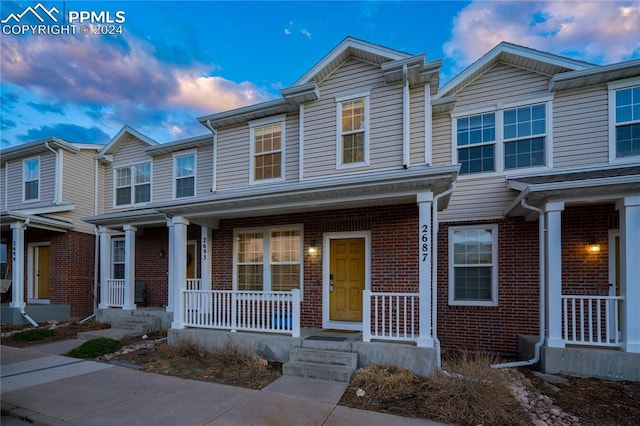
(434, 272)
(542, 236)
(214, 181)
(56, 190)
(405, 117)
(96, 248)
(6, 185)
(24, 314)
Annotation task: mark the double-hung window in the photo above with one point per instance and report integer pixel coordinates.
(505, 139)
(353, 130)
(473, 265)
(3, 260)
(624, 129)
(118, 259)
(267, 149)
(31, 179)
(268, 259)
(133, 184)
(184, 173)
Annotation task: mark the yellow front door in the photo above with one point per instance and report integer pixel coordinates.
(347, 276)
(42, 272)
(191, 260)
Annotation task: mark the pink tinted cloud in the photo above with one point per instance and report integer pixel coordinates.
(595, 31)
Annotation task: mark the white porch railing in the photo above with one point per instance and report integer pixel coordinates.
(267, 312)
(194, 284)
(390, 316)
(591, 320)
(115, 293)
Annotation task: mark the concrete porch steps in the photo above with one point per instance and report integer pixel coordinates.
(321, 364)
(132, 326)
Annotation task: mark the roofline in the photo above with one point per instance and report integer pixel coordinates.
(36, 221)
(181, 144)
(69, 146)
(559, 79)
(125, 129)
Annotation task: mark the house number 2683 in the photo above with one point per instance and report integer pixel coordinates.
(424, 245)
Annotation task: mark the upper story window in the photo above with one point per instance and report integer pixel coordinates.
(624, 128)
(473, 265)
(133, 184)
(3, 261)
(184, 173)
(267, 149)
(503, 140)
(268, 259)
(31, 179)
(353, 130)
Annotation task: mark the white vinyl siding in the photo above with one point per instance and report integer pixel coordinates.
(416, 125)
(473, 265)
(479, 198)
(79, 187)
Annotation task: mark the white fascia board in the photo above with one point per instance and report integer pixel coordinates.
(586, 76)
(113, 143)
(48, 209)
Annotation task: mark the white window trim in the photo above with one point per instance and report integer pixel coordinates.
(32, 200)
(499, 109)
(612, 88)
(266, 257)
(495, 265)
(179, 154)
(113, 262)
(282, 118)
(339, 100)
(132, 185)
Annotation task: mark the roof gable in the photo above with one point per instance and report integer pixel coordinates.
(514, 55)
(122, 137)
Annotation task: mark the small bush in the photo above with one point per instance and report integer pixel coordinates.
(33, 335)
(96, 347)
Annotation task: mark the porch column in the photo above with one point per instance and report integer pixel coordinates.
(129, 267)
(171, 285)
(17, 265)
(179, 248)
(205, 258)
(554, 274)
(629, 208)
(105, 265)
(425, 199)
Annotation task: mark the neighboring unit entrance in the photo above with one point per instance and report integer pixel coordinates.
(40, 268)
(346, 279)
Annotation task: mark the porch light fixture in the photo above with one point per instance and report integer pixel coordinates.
(593, 247)
(312, 248)
(161, 254)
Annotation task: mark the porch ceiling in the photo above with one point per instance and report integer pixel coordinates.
(142, 218)
(33, 221)
(360, 190)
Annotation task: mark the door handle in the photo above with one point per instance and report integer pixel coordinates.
(331, 287)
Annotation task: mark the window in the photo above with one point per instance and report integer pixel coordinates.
(184, 171)
(134, 190)
(353, 130)
(117, 259)
(3, 260)
(473, 265)
(503, 140)
(267, 149)
(31, 179)
(279, 270)
(625, 129)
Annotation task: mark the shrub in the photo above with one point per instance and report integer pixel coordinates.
(33, 335)
(96, 347)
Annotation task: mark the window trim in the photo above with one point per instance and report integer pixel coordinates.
(498, 109)
(367, 113)
(282, 119)
(24, 181)
(495, 265)
(612, 88)
(113, 257)
(266, 254)
(180, 154)
(132, 185)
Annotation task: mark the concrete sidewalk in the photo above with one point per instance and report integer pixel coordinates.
(46, 388)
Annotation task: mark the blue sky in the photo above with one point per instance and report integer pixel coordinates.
(178, 60)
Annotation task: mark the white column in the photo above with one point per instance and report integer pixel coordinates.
(17, 265)
(425, 200)
(554, 274)
(171, 282)
(129, 267)
(629, 209)
(205, 257)
(179, 248)
(105, 264)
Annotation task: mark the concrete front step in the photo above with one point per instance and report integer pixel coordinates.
(321, 364)
(143, 325)
(110, 333)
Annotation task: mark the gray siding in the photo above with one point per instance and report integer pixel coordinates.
(478, 198)
(581, 128)
(442, 142)
(47, 182)
(162, 178)
(78, 187)
(416, 125)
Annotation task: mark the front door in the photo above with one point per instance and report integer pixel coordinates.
(346, 279)
(41, 272)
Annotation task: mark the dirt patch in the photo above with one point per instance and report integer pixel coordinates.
(63, 331)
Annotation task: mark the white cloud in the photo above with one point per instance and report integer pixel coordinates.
(306, 33)
(287, 31)
(595, 31)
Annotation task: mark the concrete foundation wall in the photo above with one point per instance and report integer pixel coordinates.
(115, 315)
(39, 313)
(608, 364)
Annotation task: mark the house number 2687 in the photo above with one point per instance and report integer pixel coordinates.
(424, 246)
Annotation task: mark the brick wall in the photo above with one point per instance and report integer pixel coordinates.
(151, 268)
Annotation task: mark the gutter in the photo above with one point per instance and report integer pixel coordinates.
(542, 303)
(405, 117)
(6, 185)
(434, 272)
(214, 181)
